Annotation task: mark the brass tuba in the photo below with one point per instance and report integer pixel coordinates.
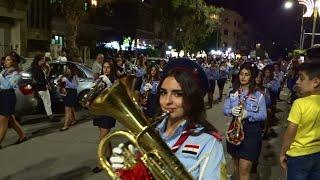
(120, 103)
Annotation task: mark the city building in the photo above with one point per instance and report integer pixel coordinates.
(13, 26)
(32, 26)
(231, 29)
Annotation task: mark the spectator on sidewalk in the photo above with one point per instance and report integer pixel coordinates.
(8, 82)
(63, 56)
(300, 151)
(97, 66)
(40, 83)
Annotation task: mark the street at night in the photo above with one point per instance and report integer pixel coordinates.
(50, 154)
(159, 89)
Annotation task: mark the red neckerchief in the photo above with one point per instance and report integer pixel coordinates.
(183, 137)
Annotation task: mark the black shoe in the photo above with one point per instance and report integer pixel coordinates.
(19, 141)
(97, 169)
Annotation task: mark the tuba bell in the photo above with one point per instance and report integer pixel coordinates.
(120, 103)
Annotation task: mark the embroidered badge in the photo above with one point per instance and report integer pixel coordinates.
(191, 149)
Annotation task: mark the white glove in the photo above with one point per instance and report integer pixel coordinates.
(60, 76)
(106, 80)
(117, 159)
(146, 88)
(64, 79)
(149, 85)
(135, 67)
(236, 111)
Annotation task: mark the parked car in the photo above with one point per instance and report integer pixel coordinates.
(28, 102)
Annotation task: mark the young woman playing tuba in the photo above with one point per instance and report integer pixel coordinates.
(247, 106)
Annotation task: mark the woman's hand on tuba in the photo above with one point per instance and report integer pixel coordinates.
(239, 111)
(236, 111)
(120, 154)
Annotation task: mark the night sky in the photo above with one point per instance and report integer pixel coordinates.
(271, 22)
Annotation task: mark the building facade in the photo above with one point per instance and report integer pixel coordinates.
(231, 29)
(13, 26)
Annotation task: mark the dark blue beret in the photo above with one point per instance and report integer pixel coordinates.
(190, 67)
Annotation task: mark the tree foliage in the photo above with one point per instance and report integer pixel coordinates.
(186, 22)
(74, 12)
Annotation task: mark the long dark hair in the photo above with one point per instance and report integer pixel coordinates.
(35, 62)
(252, 68)
(157, 76)
(112, 75)
(193, 103)
(15, 58)
(73, 71)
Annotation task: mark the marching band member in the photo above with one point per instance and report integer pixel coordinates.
(212, 73)
(105, 123)
(70, 81)
(148, 91)
(8, 82)
(252, 113)
(223, 76)
(193, 140)
(140, 71)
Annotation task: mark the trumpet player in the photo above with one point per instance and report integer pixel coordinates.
(148, 91)
(193, 140)
(252, 112)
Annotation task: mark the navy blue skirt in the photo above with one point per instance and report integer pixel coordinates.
(151, 109)
(138, 84)
(105, 122)
(8, 101)
(70, 100)
(212, 85)
(250, 147)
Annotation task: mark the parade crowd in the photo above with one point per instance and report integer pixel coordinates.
(185, 89)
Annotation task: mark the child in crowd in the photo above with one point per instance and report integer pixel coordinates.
(300, 151)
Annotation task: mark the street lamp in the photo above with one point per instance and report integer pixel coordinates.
(94, 3)
(313, 8)
(288, 5)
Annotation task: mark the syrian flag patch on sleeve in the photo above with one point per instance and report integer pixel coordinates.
(191, 149)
